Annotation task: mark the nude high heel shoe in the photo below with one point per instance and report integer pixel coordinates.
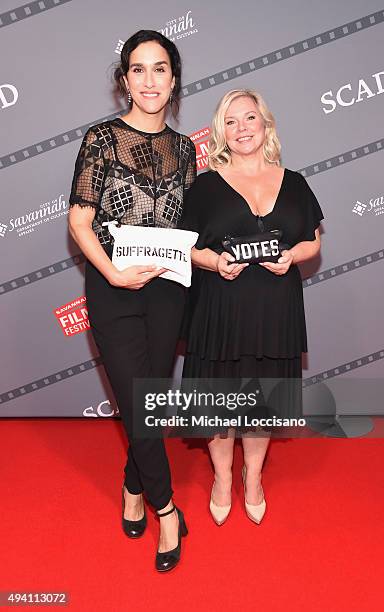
(254, 512)
(219, 513)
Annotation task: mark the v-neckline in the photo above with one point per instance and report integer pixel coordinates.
(246, 201)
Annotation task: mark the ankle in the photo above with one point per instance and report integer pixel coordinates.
(224, 479)
(166, 510)
(132, 498)
(253, 472)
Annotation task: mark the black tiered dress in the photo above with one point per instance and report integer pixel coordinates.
(253, 326)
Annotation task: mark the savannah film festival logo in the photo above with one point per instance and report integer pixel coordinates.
(8, 95)
(174, 29)
(200, 140)
(375, 206)
(73, 317)
(29, 222)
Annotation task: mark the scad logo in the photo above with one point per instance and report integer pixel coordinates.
(103, 409)
(8, 95)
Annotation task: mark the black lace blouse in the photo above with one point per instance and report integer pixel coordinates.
(133, 177)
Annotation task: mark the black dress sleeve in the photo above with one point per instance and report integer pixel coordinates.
(88, 178)
(193, 217)
(190, 175)
(311, 211)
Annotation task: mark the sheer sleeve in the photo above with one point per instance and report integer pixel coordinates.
(190, 176)
(311, 211)
(88, 177)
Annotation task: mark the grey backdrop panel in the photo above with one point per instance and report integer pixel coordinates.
(59, 58)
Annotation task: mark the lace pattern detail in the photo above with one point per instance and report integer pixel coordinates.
(133, 177)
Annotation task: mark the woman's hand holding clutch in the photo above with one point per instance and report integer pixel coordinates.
(226, 269)
(282, 265)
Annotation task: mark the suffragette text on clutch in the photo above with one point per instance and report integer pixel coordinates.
(162, 247)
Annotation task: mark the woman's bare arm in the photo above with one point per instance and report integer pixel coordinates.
(297, 254)
(205, 259)
(307, 249)
(80, 228)
(209, 260)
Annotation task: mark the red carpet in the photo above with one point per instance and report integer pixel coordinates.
(318, 547)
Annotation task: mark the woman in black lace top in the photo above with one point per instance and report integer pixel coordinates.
(136, 170)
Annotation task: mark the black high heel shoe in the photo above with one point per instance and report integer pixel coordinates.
(133, 529)
(166, 561)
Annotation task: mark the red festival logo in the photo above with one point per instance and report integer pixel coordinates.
(73, 317)
(200, 139)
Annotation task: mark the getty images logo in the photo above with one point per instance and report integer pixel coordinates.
(8, 95)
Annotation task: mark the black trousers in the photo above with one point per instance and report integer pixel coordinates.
(136, 333)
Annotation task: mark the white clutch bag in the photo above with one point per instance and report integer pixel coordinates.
(162, 247)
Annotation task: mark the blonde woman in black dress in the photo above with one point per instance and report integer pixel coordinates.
(136, 170)
(248, 320)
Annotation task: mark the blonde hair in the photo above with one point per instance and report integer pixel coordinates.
(218, 151)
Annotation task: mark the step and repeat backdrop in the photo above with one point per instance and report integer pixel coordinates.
(320, 67)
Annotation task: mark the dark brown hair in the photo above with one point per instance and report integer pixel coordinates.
(130, 45)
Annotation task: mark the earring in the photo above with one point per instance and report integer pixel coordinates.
(171, 98)
(129, 97)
